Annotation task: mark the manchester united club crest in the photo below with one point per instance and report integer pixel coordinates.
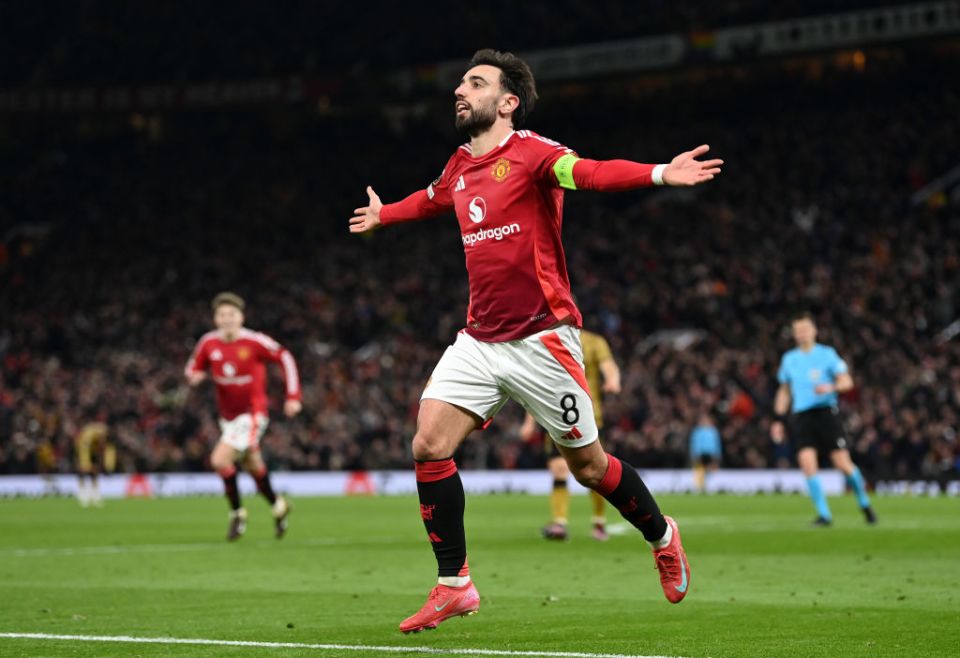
(243, 353)
(500, 170)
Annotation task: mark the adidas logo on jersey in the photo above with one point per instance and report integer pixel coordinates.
(460, 186)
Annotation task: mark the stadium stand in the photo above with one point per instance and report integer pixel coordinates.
(118, 231)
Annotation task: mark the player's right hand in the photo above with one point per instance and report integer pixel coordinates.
(194, 377)
(367, 218)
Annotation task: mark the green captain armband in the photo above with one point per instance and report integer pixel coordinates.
(563, 170)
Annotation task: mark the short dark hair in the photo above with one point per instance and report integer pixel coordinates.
(515, 76)
(803, 315)
(231, 298)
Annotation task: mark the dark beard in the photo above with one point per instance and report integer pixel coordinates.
(477, 121)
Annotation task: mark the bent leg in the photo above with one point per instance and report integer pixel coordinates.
(560, 493)
(841, 459)
(256, 467)
(441, 427)
(599, 505)
(807, 459)
(699, 474)
(558, 467)
(223, 460)
(621, 485)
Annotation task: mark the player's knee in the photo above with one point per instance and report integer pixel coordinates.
(220, 462)
(589, 474)
(843, 462)
(428, 446)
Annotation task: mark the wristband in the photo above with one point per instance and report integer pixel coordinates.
(657, 174)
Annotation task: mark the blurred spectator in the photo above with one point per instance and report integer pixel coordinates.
(705, 451)
(92, 43)
(121, 237)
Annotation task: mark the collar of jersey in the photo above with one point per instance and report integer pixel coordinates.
(503, 142)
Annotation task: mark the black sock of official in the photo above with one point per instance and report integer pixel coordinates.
(229, 476)
(262, 478)
(622, 486)
(441, 507)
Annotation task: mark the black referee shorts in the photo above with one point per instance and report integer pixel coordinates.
(704, 459)
(819, 428)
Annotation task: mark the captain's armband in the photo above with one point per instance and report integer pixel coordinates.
(563, 170)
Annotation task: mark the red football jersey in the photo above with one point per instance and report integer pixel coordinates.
(509, 206)
(238, 368)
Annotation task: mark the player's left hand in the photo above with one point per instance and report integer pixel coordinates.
(686, 170)
(611, 387)
(292, 407)
(367, 218)
(823, 389)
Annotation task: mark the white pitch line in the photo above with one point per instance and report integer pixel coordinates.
(177, 548)
(294, 645)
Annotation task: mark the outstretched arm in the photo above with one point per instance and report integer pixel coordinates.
(574, 173)
(367, 218)
(418, 205)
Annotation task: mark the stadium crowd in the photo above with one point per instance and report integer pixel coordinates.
(119, 240)
(89, 43)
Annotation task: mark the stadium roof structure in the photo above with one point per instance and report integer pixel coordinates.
(97, 43)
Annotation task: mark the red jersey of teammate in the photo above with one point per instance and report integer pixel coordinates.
(509, 204)
(238, 369)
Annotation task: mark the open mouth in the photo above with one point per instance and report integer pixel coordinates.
(462, 107)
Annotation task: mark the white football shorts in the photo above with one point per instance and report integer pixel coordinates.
(244, 432)
(543, 372)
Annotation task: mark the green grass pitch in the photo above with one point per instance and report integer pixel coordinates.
(763, 583)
